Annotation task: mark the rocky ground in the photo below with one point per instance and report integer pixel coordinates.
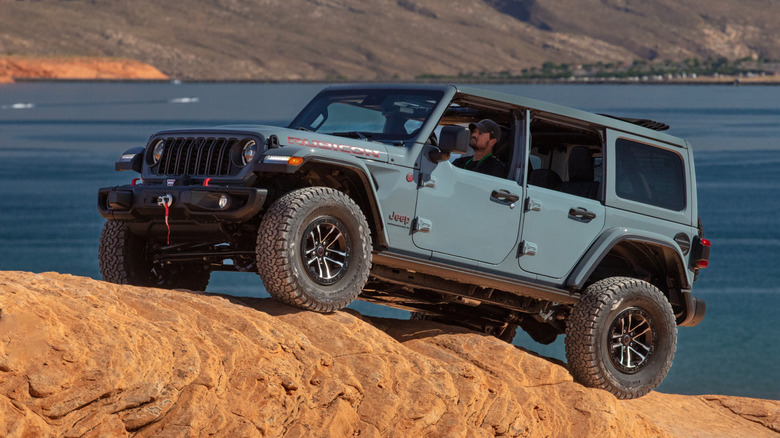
(80, 357)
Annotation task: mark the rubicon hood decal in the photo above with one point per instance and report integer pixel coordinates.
(348, 149)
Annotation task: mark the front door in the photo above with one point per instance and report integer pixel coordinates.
(467, 214)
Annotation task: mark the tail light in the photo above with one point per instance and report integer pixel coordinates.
(700, 256)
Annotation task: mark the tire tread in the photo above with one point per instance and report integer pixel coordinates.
(275, 262)
(582, 332)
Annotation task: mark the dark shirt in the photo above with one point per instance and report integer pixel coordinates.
(489, 165)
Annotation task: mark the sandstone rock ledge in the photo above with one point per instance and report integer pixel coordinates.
(79, 357)
(75, 68)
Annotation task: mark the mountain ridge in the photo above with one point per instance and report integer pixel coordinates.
(386, 40)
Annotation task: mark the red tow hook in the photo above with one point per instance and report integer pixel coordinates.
(166, 201)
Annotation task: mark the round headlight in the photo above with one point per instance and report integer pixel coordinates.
(249, 152)
(158, 151)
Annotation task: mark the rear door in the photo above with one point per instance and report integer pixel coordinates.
(562, 221)
(557, 230)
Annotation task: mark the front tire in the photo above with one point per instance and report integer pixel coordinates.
(314, 249)
(126, 258)
(621, 336)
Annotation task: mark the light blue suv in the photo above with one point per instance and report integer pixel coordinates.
(591, 232)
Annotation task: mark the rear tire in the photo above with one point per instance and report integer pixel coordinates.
(621, 336)
(126, 258)
(314, 249)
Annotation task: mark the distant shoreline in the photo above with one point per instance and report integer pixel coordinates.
(600, 81)
(17, 69)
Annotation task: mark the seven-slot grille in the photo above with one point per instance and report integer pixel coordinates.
(198, 156)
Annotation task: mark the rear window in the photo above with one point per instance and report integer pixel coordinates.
(649, 175)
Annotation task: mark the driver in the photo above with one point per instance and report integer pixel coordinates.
(484, 136)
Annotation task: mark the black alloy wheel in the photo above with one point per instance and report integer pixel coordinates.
(631, 340)
(326, 250)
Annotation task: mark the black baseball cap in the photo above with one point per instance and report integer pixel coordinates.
(487, 125)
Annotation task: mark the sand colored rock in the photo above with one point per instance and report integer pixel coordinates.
(79, 357)
(76, 68)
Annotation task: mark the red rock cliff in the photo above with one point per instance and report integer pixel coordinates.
(79, 68)
(79, 357)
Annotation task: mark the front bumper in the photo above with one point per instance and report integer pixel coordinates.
(189, 203)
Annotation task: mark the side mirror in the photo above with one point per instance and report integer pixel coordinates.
(132, 159)
(453, 139)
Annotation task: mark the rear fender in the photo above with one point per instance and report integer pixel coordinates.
(663, 249)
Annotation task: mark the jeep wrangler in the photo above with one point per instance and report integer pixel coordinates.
(592, 232)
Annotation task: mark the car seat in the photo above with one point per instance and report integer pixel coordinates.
(580, 182)
(546, 178)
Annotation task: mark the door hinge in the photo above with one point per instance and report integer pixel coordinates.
(429, 181)
(422, 225)
(532, 204)
(527, 248)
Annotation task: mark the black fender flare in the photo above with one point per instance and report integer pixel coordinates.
(692, 308)
(368, 184)
(611, 238)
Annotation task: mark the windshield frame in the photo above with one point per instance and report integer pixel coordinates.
(405, 104)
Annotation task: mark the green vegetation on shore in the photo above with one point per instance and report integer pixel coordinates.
(639, 71)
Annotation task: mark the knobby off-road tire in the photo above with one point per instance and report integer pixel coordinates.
(314, 249)
(621, 336)
(125, 259)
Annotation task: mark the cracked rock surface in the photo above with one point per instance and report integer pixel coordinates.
(80, 357)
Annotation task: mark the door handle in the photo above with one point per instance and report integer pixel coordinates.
(504, 195)
(581, 214)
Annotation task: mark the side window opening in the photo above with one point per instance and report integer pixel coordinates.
(464, 113)
(541, 171)
(571, 158)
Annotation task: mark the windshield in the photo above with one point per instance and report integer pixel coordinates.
(381, 115)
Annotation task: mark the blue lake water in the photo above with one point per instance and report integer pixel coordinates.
(59, 142)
